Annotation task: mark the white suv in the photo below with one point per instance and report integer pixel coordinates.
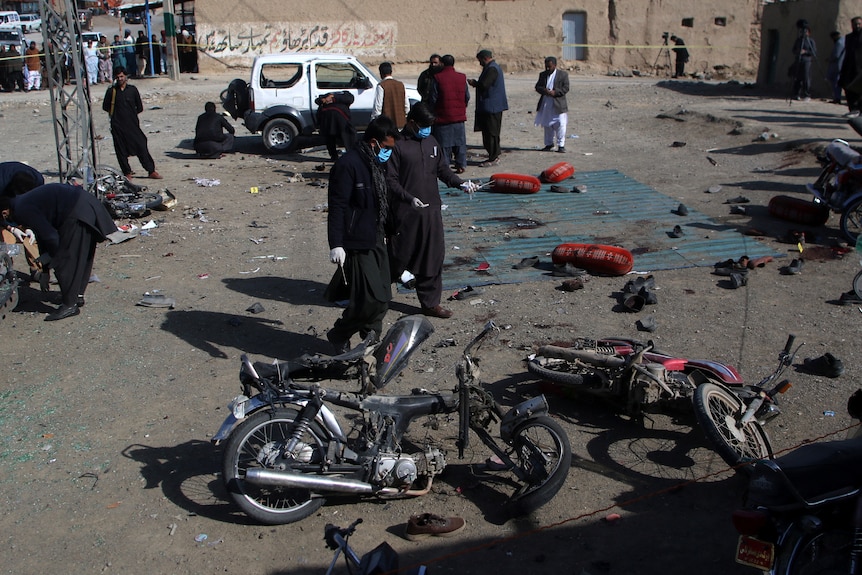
(30, 22)
(278, 101)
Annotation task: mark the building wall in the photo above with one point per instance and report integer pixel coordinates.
(721, 36)
(779, 32)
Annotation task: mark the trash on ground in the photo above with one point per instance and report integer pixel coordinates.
(256, 307)
(150, 225)
(157, 300)
(207, 182)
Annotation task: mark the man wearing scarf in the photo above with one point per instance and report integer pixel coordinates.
(358, 211)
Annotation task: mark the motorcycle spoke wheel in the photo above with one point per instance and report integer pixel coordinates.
(716, 410)
(851, 221)
(541, 450)
(255, 444)
(826, 553)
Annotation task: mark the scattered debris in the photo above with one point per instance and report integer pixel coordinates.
(256, 307)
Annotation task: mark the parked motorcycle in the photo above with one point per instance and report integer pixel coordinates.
(287, 452)
(839, 186)
(637, 379)
(803, 511)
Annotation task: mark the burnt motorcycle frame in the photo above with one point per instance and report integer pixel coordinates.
(286, 451)
(839, 186)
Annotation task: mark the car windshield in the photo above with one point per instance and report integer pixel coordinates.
(9, 35)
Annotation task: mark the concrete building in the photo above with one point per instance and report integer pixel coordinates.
(596, 35)
(779, 31)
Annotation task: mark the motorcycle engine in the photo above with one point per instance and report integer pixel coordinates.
(394, 469)
(646, 390)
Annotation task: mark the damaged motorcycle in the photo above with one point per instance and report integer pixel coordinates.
(803, 510)
(839, 186)
(638, 379)
(287, 451)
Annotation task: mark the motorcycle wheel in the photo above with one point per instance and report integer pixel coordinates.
(715, 409)
(824, 553)
(541, 449)
(248, 444)
(556, 370)
(851, 221)
(857, 285)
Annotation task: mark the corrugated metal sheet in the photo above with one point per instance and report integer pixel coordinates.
(501, 229)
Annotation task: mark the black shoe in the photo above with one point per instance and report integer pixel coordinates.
(547, 148)
(561, 150)
(80, 302)
(826, 365)
(338, 345)
(62, 313)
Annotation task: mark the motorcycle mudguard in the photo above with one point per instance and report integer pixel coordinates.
(520, 413)
(394, 350)
(251, 406)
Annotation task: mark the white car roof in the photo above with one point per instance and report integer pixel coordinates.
(302, 58)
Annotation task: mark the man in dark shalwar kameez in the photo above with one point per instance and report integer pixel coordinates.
(335, 122)
(358, 211)
(123, 104)
(417, 244)
(68, 222)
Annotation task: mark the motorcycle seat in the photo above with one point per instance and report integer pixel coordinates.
(844, 155)
(820, 469)
(411, 406)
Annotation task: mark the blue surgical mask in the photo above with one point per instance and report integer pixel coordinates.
(423, 133)
(383, 155)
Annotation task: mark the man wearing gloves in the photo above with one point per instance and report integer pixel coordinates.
(68, 222)
(358, 210)
(417, 244)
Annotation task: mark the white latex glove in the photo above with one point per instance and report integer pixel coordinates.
(338, 256)
(469, 187)
(417, 203)
(21, 234)
(29, 233)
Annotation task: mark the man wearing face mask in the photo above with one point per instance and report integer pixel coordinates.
(417, 243)
(358, 211)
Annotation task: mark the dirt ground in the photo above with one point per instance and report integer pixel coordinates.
(106, 418)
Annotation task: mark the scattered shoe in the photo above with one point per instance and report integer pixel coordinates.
(560, 189)
(728, 267)
(490, 163)
(339, 346)
(739, 210)
(547, 148)
(567, 270)
(759, 262)
(682, 210)
(466, 292)
(638, 284)
(431, 525)
(580, 189)
(646, 324)
(852, 114)
(793, 268)
(526, 263)
(676, 232)
(437, 311)
(561, 150)
(737, 280)
(154, 175)
(157, 300)
(62, 313)
(737, 200)
(634, 303)
(826, 365)
(649, 297)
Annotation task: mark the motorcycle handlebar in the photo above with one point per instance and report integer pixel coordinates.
(789, 345)
(489, 327)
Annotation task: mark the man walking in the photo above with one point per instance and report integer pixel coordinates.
(417, 243)
(552, 109)
(390, 99)
(491, 102)
(448, 98)
(123, 104)
(836, 60)
(358, 210)
(852, 67)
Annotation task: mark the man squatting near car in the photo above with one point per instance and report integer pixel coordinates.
(210, 139)
(417, 243)
(358, 212)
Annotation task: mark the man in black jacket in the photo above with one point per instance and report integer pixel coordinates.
(851, 69)
(335, 122)
(681, 56)
(210, 139)
(358, 211)
(123, 104)
(68, 222)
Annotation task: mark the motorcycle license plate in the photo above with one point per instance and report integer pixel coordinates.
(755, 553)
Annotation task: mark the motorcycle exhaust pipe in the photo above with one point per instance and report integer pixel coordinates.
(303, 481)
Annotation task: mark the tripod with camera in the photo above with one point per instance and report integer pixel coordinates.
(664, 51)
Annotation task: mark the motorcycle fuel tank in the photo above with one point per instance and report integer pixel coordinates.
(394, 350)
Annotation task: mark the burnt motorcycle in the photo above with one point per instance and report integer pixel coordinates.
(839, 186)
(8, 283)
(287, 451)
(638, 379)
(803, 510)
